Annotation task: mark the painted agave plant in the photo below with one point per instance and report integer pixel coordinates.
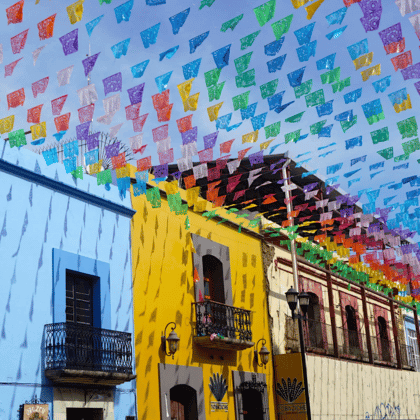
(218, 386)
(289, 391)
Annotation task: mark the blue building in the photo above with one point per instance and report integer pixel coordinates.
(66, 303)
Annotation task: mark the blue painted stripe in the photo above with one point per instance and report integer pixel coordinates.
(65, 189)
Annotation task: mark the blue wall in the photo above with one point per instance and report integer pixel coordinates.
(37, 223)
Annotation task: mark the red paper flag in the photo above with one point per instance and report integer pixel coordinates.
(184, 124)
(395, 47)
(15, 13)
(139, 122)
(16, 98)
(225, 146)
(46, 27)
(57, 105)
(213, 173)
(166, 157)
(219, 201)
(402, 61)
(189, 181)
(132, 111)
(62, 122)
(212, 194)
(242, 153)
(8, 69)
(205, 155)
(141, 150)
(160, 133)
(238, 194)
(348, 3)
(269, 199)
(34, 114)
(118, 161)
(144, 164)
(18, 41)
(233, 182)
(164, 114)
(196, 276)
(221, 162)
(86, 113)
(40, 86)
(161, 100)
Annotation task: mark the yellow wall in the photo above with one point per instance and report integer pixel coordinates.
(164, 290)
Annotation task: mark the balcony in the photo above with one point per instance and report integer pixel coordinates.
(222, 326)
(87, 355)
(352, 345)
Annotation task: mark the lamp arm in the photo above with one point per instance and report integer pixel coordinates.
(256, 352)
(163, 338)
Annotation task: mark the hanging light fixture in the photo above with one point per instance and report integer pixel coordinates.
(172, 339)
(264, 354)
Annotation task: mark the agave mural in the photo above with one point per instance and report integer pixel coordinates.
(289, 391)
(218, 386)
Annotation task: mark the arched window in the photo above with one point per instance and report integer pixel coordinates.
(213, 279)
(252, 404)
(183, 403)
(314, 322)
(353, 333)
(384, 340)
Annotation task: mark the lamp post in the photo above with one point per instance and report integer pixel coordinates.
(292, 297)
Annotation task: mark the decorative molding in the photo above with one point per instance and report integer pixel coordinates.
(65, 189)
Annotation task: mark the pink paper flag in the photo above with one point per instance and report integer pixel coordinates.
(86, 113)
(139, 122)
(18, 42)
(40, 86)
(8, 69)
(57, 104)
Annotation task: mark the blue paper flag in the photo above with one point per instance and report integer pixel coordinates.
(353, 96)
(70, 164)
(388, 199)
(354, 142)
(295, 77)
(233, 127)
(305, 174)
(344, 116)
(349, 174)
(139, 69)
(178, 20)
(149, 36)
(90, 26)
(375, 173)
(325, 131)
(337, 16)
(249, 111)
(403, 166)
(376, 166)
(121, 48)
(333, 169)
(221, 56)
(324, 147)
(168, 53)
(325, 109)
(258, 122)
(331, 181)
(302, 162)
(335, 34)
(306, 51)
(223, 121)
(60, 135)
(302, 137)
(381, 85)
(274, 148)
(398, 97)
(155, 2)
(357, 160)
(275, 100)
(282, 108)
(274, 47)
(91, 157)
(190, 70)
(197, 41)
(38, 142)
(326, 153)
(372, 108)
(276, 64)
(123, 12)
(358, 49)
(303, 35)
(162, 81)
(326, 63)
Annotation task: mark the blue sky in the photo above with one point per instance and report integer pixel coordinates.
(108, 33)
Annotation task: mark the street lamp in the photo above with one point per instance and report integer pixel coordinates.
(172, 339)
(292, 297)
(264, 354)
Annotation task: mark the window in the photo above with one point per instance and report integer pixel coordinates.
(412, 341)
(213, 279)
(314, 322)
(353, 334)
(383, 339)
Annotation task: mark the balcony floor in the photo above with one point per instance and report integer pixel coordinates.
(223, 343)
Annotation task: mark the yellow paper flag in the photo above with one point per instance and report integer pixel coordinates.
(403, 106)
(39, 130)
(372, 71)
(192, 195)
(213, 111)
(299, 3)
(171, 187)
(311, 9)
(123, 172)
(302, 239)
(185, 89)
(264, 145)
(191, 103)
(95, 167)
(363, 61)
(75, 11)
(200, 206)
(251, 137)
(6, 124)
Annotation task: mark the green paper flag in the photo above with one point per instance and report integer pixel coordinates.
(338, 87)
(246, 79)
(293, 136)
(282, 26)
(411, 146)
(376, 118)
(269, 89)
(78, 173)
(331, 76)
(265, 12)
(345, 125)
(248, 40)
(387, 153)
(317, 127)
(103, 1)
(187, 223)
(153, 197)
(303, 89)
(315, 98)
(215, 91)
(240, 101)
(408, 127)
(379, 136)
(205, 3)
(295, 118)
(103, 177)
(211, 77)
(231, 24)
(242, 62)
(401, 158)
(17, 138)
(272, 130)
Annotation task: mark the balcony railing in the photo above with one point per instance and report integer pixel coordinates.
(352, 344)
(217, 320)
(75, 347)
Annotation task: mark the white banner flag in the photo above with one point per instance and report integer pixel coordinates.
(63, 77)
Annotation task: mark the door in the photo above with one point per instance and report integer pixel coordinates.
(384, 340)
(252, 405)
(314, 327)
(84, 414)
(183, 403)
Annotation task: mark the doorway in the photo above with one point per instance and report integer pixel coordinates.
(252, 405)
(314, 322)
(352, 330)
(183, 403)
(384, 340)
(85, 414)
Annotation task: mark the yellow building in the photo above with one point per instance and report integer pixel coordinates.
(208, 279)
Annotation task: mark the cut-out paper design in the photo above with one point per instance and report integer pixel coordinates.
(312, 8)
(162, 81)
(46, 27)
(6, 124)
(282, 26)
(15, 13)
(241, 101)
(17, 138)
(269, 89)
(197, 41)
(149, 36)
(86, 113)
(34, 114)
(178, 20)
(135, 94)
(305, 52)
(231, 24)
(336, 33)
(112, 83)
(50, 156)
(18, 42)
(63, 76)
(353, 96)
(275, 64)
(246, 79)
(168, 53)
(402, 61)
(39, 130)
(123, 11)
(303, 35)
(90, 26)
(16, 98)
(35, 54)
(248, 40)
(221, 56)
(265, 12)
(326, 63)
(62, 122)
(9, 68)
(75, 11)
(40, 86)
(89, 62)
(139, 69)
(190, 70)
(274, 47)
(87, 95)
(337, 16)
(121, 48)
(70, 42)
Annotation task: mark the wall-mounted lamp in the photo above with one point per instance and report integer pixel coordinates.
(264, 353)
(173, 341)
(292, 297)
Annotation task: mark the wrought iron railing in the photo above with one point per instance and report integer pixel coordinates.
(72, 346)
(408, 356)
(224, 320)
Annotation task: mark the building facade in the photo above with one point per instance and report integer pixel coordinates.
(67, 305)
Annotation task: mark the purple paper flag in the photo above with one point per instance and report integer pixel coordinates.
(93, 141)
(411, 72)
(160, 171)
(189, 136)
(256, 158)
(112, 150)
(370, 6)
(371, 22)
(136, 94)
(89, 62)
(391, 34)
(70, 42)
(210, 140)
(113, 83)
(82, 131)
